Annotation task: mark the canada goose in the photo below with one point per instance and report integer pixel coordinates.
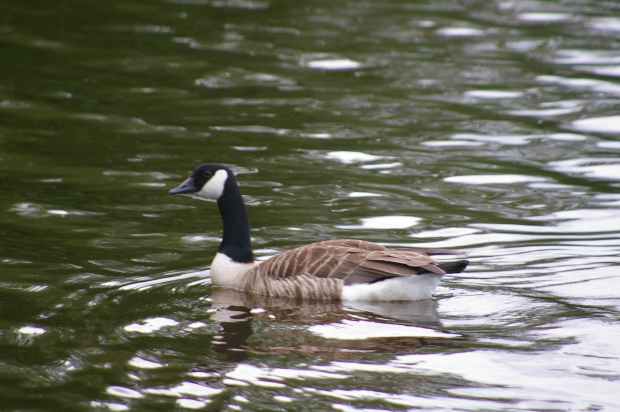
(342, 269)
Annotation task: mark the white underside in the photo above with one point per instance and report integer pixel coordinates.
(417, 287)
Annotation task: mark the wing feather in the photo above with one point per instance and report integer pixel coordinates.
(353, 261)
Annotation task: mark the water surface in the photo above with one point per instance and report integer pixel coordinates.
(491, 127)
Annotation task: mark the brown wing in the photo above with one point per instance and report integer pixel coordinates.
(342, 259)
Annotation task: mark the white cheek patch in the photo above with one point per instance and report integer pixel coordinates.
(214, 188)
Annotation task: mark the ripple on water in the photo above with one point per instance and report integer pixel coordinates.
(493, 240)
(468, 309)
(532, 381)
(243, 78)
(123, 392)
(15, 104)
(255, 129)
(590, 56)
(186, 388)
(372, 397)
(609, 25)
(609, 145)
(361, 330)
(141, 363)
(597, 285)
(246, 374)
(509, 140)
(35, 210)
(611, 71)
(446, 232)
(384, 222)
(605, 168)
(495, 179)
(592, 85)
(110, 406)
(566, 222)
(551, 109)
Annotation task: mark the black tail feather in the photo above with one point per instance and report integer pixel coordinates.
(456, 266)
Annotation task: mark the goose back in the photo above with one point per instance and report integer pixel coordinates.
(320, 270)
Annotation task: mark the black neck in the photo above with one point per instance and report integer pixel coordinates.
(236, 243)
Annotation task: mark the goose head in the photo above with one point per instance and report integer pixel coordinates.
(206, 181)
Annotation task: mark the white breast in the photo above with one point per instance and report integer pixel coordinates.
(408, 288)
(227, 273)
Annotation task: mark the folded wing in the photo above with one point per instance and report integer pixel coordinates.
(353, 261)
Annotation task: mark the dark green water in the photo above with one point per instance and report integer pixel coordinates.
(490, 126)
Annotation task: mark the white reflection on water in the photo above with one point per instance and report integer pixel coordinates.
(551, 109)
(567, 222)
(452, 143)
(586, 56)
(190, 403)
(364, 194)
(141, 363)
(111, 406)
(609, 145)
(123, 392)
(186, 388)
(511, 140)
(333, 64)
(150, 325)
(446, 232)
(544, 17)
(493, 179)
(384, 222)
(607, 124)
(348, 157)
(31, 330)
(35, 210)
(493, 94)
(605, 168)
(245, 374)
(593, 285)
(378, 166)
(477, 239)
(605, 24)
(459, 32)
(594, 85)
(611, 71)
(357, 330)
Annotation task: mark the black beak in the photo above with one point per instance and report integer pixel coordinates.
(186, 187)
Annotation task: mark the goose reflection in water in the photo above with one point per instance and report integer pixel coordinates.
(328, 329)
